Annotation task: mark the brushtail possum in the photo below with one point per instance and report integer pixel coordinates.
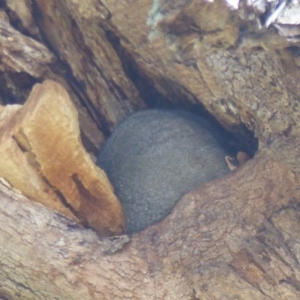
(154, 157)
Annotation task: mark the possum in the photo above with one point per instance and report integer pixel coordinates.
(154, 157)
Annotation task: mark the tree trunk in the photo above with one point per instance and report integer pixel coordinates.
(233, 238)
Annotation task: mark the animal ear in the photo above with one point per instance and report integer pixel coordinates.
(234, 162)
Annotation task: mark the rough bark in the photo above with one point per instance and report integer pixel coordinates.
(216, 243)
(232, 238)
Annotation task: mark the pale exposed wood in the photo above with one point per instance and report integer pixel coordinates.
(16, 166)
(42, 156)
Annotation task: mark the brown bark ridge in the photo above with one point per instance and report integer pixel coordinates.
(234, 238)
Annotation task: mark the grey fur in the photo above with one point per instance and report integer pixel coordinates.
(154, 157)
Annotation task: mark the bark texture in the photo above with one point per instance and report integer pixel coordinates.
(234, 238)
(215, 243)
